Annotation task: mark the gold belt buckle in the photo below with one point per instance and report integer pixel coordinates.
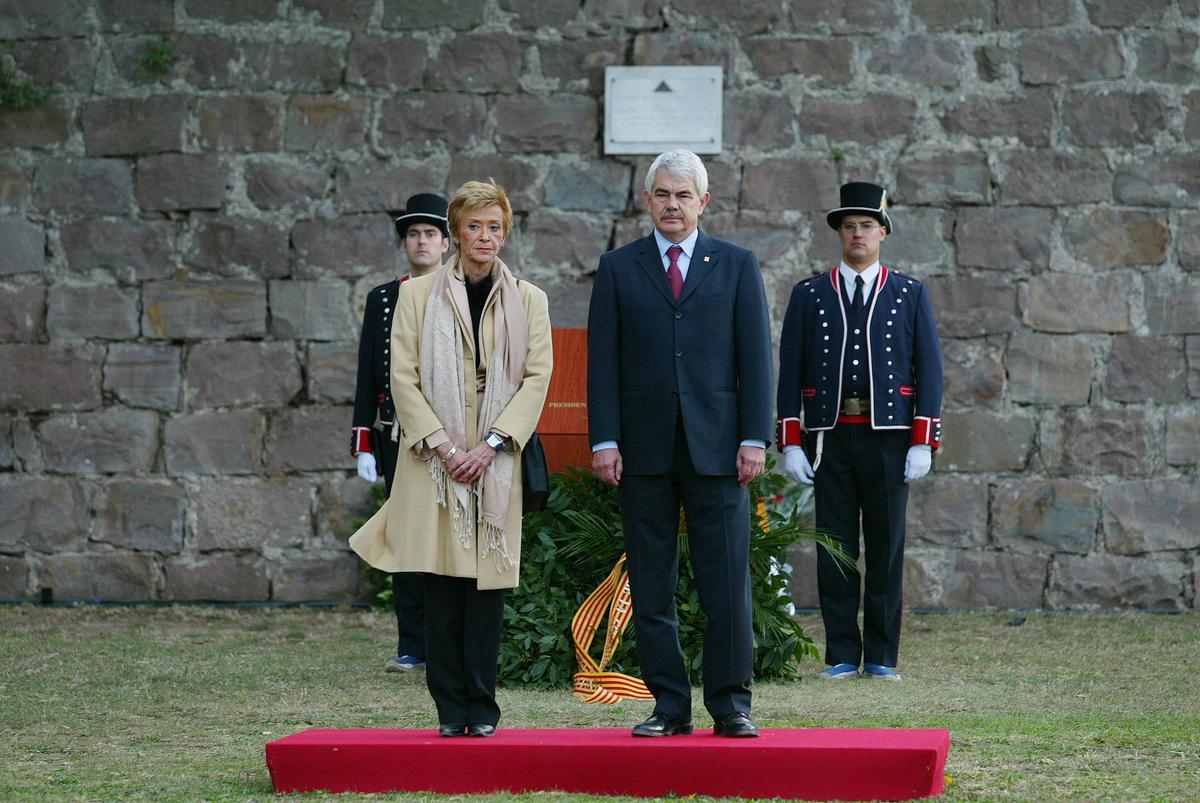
(853, 407)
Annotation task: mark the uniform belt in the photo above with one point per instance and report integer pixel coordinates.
(856, 406)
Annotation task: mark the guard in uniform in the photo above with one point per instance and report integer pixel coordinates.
(425, 238)
(859, 402)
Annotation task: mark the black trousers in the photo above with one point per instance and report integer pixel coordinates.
(718, 533)
(408, 595)
(463, 627)
(860, 479)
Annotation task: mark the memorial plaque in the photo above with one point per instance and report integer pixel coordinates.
(655, 109)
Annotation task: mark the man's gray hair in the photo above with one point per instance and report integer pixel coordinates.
(678, 164)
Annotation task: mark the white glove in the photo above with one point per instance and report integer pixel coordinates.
(795, 463)
(366, 466)
(917, 463)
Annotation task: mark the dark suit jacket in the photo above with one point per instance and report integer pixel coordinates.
(707, 355)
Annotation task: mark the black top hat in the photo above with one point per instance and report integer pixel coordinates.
(424, 207)
(862, 198)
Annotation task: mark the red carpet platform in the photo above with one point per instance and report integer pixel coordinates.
(809, 764)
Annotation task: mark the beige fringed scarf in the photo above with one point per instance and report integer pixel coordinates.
(485, 501)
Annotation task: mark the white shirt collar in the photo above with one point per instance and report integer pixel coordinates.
(869, 277)
(688, 245)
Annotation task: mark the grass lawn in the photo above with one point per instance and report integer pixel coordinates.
(176, 703)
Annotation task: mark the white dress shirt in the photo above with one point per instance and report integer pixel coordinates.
(869, 275)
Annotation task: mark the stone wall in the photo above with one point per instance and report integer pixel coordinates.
(184, 259)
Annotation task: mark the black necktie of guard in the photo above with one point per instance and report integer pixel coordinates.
(858, 294)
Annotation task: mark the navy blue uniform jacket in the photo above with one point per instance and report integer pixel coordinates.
(707, 356)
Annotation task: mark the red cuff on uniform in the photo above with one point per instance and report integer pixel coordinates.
(790, 433)
(360, 441)
(926, 431)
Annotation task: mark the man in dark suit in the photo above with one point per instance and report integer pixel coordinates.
(679, 410)
(425, 237)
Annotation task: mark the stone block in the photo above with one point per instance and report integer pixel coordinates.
(970, 306)
(347, 14)
(919, 239)
(776, 184)
(571, 240)
(948, 511)
(477, 62)
(14, 183)
(851, 18)
(108, 128)
(348, 246)
(546, 123)
(984, 441)
(109, 441)
(94, 310)
(239, 246)
(332, 372)
(755, 16)
(693, 47)
(177, 181)
(240, 123)
(1156, 515)
(43, 19)
(922, 60)
(237, 373)
(207, 62)
(827, 59)
(944, 179)
(309, 439)
(1167, 56)
(50, 377)
(569, 303)
(1048, 178)
(1073, 303)
(316, 310)
(589, 186)
(375, 186)
(6, 445)
(273, 184)
(992, 62)
(802, 587)
(842, 120)
(131, 250)
(1026, 117)
(973, 371)
(325, 123)
(1160, 180)
(217, 578)
(310, 66)
(423, 121)
(1070, 57)
(46, 514)
(175, 310)
(145, 515)
(231, 10)
(1035, 13)
(579, 63)
(1126, 13)
(397, 63)
(1088, 441)
(1107, 118)
(1147, 369)
(968, 15)
(135, 16)
(1172, 307)
(1183, 439)
(724, 184)
(219, 442)
(938, 578)
(14, 577)
(408, 14)
(23, 244)
(253, 514)
(1049, 369)
(1045, 516)
(762, 120)
(1015, 238)
(1112, 581)
(57, 63)
(22, 312)
(1187, 240)
(45, 125)
(342, 500)
(143, 376)
(1192, 347)
(772, 243)
(327, 577)
(107, 577)
(26, 451)
(86, 187)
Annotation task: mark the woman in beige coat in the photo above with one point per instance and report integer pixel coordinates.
(471, 361)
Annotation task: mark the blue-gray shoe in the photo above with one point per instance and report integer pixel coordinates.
(404, 663)
(878, 672)
(839, 672)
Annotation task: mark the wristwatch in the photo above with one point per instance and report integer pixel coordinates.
(495, 440)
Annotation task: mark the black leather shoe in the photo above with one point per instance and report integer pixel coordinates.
(662, 725)
(452, 729)
(736, 725)
(481, 730)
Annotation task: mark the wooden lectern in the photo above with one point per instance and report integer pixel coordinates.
(563, 426)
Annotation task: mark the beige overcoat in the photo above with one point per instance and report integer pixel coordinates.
(412, 532)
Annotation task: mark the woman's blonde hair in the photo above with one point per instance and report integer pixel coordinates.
(477, 195)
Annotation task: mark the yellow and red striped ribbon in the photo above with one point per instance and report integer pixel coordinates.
(592, 684)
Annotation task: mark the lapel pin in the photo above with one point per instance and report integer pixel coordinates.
(706, 259)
